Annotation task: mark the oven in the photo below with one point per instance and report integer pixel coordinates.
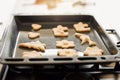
(60, 72)
(15, 67)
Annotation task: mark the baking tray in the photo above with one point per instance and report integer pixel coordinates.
(21, 24)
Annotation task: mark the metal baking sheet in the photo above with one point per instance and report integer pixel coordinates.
(21, 26)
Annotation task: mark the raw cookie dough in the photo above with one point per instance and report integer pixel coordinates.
(93, 51)
(36, 27)
(60, 31)
(33, 35)
(65, 44)
(33, 45)
(32, 54)
(81, 27)
(85, 39)
(67, 52)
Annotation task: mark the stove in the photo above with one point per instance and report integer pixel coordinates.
(60, 72)
(105, 71)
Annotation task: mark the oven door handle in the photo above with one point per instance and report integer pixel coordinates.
(116, 40)
(114, 32)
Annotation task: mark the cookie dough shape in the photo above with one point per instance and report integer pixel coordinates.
(93, 51)
(33, 35)
(36, 27)
(33, 45)
(65, 44)
(32, 54)
(60, 31)
(85, 39)
(81, 27)
(67, 52)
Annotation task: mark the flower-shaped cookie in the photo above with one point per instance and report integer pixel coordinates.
(93, 51)
(65, 44)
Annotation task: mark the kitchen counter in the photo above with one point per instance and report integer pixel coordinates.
(106, 12)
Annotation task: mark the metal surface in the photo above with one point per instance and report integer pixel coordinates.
(21, 25)
(2, 36)
(60, 72)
